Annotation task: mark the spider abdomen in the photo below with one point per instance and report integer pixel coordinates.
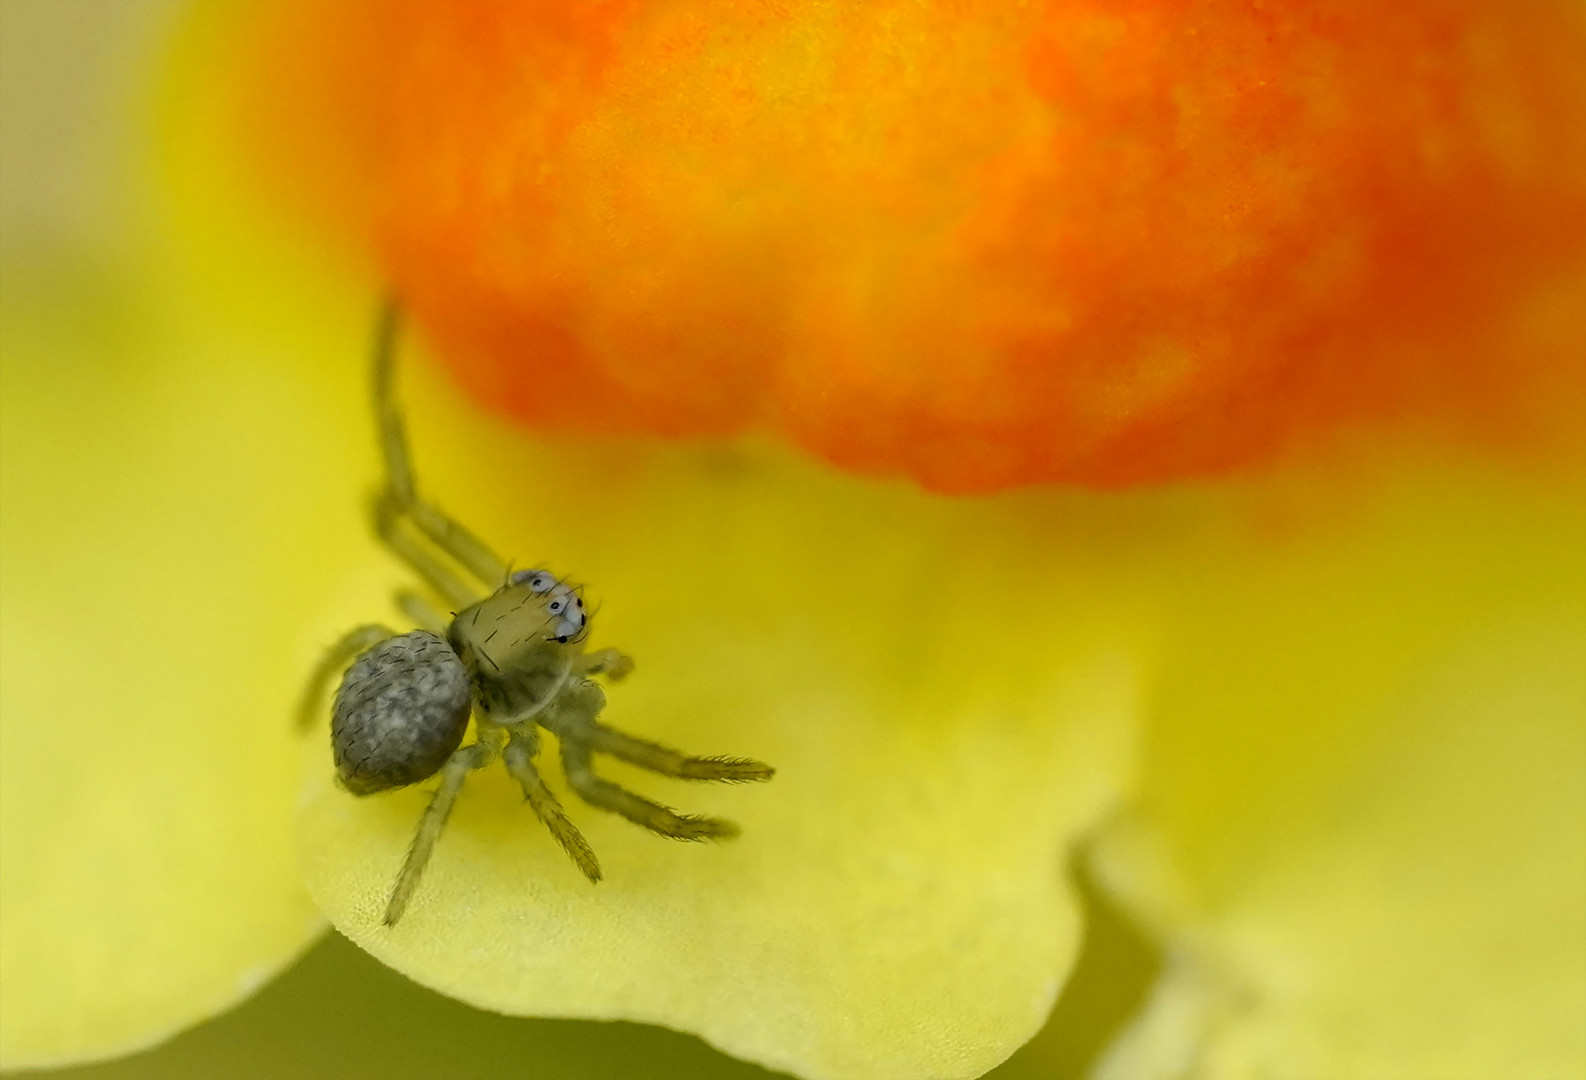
(400, 713)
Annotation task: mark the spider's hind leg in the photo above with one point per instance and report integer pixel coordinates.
(462, 762)
(333, 663)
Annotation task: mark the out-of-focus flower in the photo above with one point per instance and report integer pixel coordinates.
(1362, 799)
(1105, 241)
(1320, 725)
(149, 603)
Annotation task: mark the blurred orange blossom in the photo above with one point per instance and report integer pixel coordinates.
(1102, 241)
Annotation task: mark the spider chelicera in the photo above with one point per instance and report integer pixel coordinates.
(512, 659)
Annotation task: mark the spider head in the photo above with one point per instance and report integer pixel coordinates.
(517, 643)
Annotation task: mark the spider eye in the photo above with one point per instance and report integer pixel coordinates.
(557, 606)
(538, 581)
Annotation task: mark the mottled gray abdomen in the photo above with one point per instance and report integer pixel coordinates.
(400, 713)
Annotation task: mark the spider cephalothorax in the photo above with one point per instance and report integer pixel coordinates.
(512, 660)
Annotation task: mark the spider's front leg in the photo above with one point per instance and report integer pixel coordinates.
(577, 720)
(613, 664)
(418, 531)
(575, 724)
(522, 746)
(390, 519)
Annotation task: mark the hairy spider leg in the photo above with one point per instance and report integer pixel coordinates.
(669, 762)
(613, 664)
(463, 761)
(401, 499)
(333, 663)
(389, 517)
(388, 418)
(604, 794)
(421, 612)
(578, 721)
(570, 722)
(522, 747)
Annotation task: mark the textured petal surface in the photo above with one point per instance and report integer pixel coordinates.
(946, 689)
(1366, 815)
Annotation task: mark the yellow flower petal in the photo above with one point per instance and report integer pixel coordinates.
(946, 688)
(1366, 802)
(156, 516)
(157, 503)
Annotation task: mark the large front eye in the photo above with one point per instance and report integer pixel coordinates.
(538, 581)
(557, 606)
(570, 625)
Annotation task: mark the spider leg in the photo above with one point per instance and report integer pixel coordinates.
(454, 538)
(641, 811)
(669, 762)
(388, 520)
(453, 773)
(614, 664)
(445, 532)
(519, 760)
(388, 418)
(576, 721)
(421, 611)
(333, 663)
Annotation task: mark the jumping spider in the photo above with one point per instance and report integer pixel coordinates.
(513, 661)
